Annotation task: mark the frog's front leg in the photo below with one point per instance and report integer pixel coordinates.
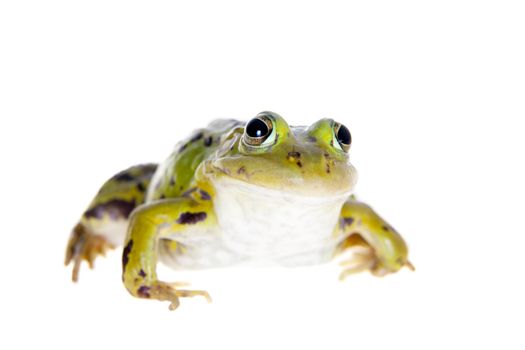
(149, 224)
(375, 245)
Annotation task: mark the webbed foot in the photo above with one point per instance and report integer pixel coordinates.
(169, 292)
(363, 257)
(84, 245)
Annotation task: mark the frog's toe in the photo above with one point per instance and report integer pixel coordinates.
(188, 293)
(84, 245)
(383, 267)
(362, 259)
(168, 292)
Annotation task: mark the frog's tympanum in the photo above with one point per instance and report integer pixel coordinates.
(235, 193)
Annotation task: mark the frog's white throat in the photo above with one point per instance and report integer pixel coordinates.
(263, 225)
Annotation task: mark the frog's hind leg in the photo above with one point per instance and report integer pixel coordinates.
(103, 225)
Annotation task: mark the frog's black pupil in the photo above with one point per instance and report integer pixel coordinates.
(343, 135)
(256, 128)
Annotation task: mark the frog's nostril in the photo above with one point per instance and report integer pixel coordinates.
(293, 156)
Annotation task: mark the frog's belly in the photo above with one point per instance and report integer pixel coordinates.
(226, 248)
(262, 229)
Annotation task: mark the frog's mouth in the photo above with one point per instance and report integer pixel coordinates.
(318, 190)
(276, 181)
(247, 189)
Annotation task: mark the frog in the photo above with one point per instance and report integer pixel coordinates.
(234, 193)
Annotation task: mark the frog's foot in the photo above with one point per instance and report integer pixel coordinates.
(363, 257)
(84, 245)
(169, 292)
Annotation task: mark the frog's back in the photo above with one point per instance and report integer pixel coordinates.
(176, 174)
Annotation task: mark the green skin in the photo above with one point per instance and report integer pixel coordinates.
(156, 203)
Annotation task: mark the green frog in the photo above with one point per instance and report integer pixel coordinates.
(235, 193)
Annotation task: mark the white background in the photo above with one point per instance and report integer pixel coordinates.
(433, 93)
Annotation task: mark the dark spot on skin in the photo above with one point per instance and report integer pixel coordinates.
(148, 169)
(205, 196)
(191, 218)
(197, 137)
(181, 187)
(241, 170)
(172, 181)
(294, 154)
(326, 155)
(346, 222)
(386, 228)
(189, 192)
(143, 291)
(123, 177)
(140, 187)
(299, 164)
(311, 138)
(138, 171)
(162, 196)
(115, 208)
(142, 273)
(327, 168)
(125, 254)
(208, 141)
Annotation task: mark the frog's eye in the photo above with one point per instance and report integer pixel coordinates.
(259, 131)
(342, 135)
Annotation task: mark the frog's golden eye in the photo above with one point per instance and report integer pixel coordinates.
(259, 131)
(342, 137)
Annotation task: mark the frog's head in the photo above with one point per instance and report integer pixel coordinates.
(268, 153)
